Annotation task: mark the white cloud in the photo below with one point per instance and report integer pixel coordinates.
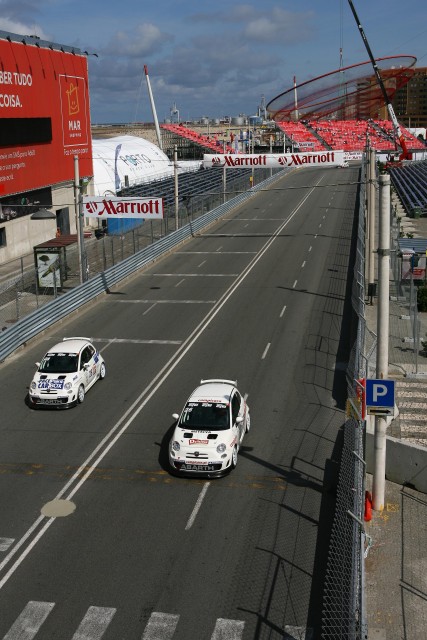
(20, 28)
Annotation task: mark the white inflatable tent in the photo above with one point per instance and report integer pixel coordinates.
(126, 161)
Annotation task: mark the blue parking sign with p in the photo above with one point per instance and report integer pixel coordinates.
(380, 393)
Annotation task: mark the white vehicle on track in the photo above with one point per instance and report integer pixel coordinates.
(66, 372)
(210, 430)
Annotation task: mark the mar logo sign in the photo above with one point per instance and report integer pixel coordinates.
(75, 121)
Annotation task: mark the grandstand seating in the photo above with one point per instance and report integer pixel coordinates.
(298, 135)
(349, 135)
(190, 185)
(211, 143)
(410, 182)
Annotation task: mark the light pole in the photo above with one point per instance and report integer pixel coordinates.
(79, 221)
(175, 171)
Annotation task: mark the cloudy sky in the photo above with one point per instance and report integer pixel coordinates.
(213, 58)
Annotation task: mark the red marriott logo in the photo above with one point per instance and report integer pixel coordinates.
(122, 208)
(244, 161)
(299, 159)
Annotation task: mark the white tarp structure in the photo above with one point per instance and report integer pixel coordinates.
(127, 161)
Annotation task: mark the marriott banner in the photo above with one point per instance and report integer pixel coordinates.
(142, 208)
(275, 161)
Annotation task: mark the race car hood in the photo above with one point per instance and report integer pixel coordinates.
(54, 381)
(200, 440)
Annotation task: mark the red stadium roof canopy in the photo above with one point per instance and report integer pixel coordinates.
(350, 92)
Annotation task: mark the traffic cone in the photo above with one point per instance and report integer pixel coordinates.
(368, 506)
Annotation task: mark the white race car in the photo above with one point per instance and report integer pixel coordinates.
(210, 430)
(66, 372)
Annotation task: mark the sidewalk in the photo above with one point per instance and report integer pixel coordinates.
(396, 556)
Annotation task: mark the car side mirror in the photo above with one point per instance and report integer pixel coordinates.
(239, 420)
(37, 364)
(175, 416)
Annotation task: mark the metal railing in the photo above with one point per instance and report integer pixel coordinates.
(343, 615)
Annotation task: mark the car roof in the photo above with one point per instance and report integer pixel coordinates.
(69, 345)
(216, 390)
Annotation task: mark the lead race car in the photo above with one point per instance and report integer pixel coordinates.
(210, 430)
(67, 371)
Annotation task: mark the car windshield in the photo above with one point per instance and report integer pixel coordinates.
(212, 416)
(59, 363)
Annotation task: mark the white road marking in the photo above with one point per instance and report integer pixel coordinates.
(214, 252)
(165, 302)
(219, 249)
(303, 265)
(105, 445)
(298, 633)
(191, 275)
(5, 543)
(160, 626)
(29, 621)
(295, 284)
(201, 264)
(180, 282)
(94, 624)
(228, 629)
(197, 506)
(149, 309)
(133, 341)
(309, 249)
(265, 350)
(282, 311)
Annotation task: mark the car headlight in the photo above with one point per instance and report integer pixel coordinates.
(221, 448)
(33, 385)
(176, 446)
(68, 385)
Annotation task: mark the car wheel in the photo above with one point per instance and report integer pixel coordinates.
(248, 422)
(102, 371)
(234, 458)
(81, 394)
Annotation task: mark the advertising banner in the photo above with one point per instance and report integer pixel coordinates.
(44, 114)
(142, 208)
(275, 161)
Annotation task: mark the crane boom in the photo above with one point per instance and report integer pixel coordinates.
(397, 130)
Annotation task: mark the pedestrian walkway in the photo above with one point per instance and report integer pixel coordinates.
(396, 553)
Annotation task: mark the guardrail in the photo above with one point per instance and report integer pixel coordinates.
(38, 321)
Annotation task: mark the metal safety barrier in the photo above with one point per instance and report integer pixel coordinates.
(39, 320)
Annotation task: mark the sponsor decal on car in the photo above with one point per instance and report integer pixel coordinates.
(50, 384)
(196, 441)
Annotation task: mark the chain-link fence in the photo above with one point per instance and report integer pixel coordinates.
(343, 613)
(20, 289)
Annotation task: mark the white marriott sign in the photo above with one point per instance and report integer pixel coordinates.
(270, 160)
(143, 208)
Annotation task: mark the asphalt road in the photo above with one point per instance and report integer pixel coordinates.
(261, 297)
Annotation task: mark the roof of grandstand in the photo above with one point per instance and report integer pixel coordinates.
(343, 93)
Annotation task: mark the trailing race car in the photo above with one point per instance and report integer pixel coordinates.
(210, 430)
(66, 372)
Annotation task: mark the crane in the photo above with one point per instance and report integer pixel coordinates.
(397, 131)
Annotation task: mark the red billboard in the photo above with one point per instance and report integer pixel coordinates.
(44, 116)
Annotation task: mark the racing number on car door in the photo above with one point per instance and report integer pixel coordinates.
(236, 403)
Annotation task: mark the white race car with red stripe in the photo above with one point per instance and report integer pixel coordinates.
(210, 430)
